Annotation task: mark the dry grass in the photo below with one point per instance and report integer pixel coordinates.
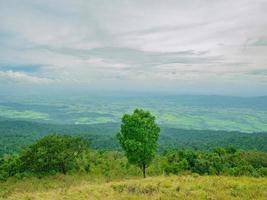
(172, 187)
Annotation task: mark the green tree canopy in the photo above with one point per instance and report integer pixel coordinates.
(138, 137)
(53, 153)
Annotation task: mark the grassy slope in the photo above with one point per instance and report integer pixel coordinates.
(172, 187)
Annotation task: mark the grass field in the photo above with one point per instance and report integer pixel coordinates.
(170, 187)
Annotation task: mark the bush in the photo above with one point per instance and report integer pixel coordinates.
(218, 161)
(262, 171)
(52, 154)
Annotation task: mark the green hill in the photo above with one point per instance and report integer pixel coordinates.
(15, 134)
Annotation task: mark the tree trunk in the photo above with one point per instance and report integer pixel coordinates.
(144, 170)
(63, 168)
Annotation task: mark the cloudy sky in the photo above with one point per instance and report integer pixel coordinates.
(193, 46)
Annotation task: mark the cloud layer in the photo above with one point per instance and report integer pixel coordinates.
(200, 44)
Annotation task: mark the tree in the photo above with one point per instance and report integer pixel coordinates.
(138, 137)
(52, 153)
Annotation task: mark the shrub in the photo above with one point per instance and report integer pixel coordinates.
(53, 153)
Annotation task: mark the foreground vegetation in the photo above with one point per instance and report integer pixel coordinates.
(162, 187)
(71, 155)
(138, 137)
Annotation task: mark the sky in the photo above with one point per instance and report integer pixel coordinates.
(192, 46)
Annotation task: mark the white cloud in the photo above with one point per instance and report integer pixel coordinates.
(19, 77)
(78, 41)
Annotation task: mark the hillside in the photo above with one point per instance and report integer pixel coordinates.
(15, 134)
(169, 187)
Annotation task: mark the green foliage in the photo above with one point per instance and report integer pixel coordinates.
(110, 165)
(16, 134)
(106, 164)
(138, 137)
(52, 153)
(219, 161)
(9, 166)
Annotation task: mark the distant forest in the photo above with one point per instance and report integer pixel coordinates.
(16, 134)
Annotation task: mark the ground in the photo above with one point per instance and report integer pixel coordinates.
(163, 187)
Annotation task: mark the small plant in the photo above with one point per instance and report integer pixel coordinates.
(119, 188)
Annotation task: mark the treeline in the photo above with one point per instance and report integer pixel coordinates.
(68, 154)
(16, 134)
(219, 161)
